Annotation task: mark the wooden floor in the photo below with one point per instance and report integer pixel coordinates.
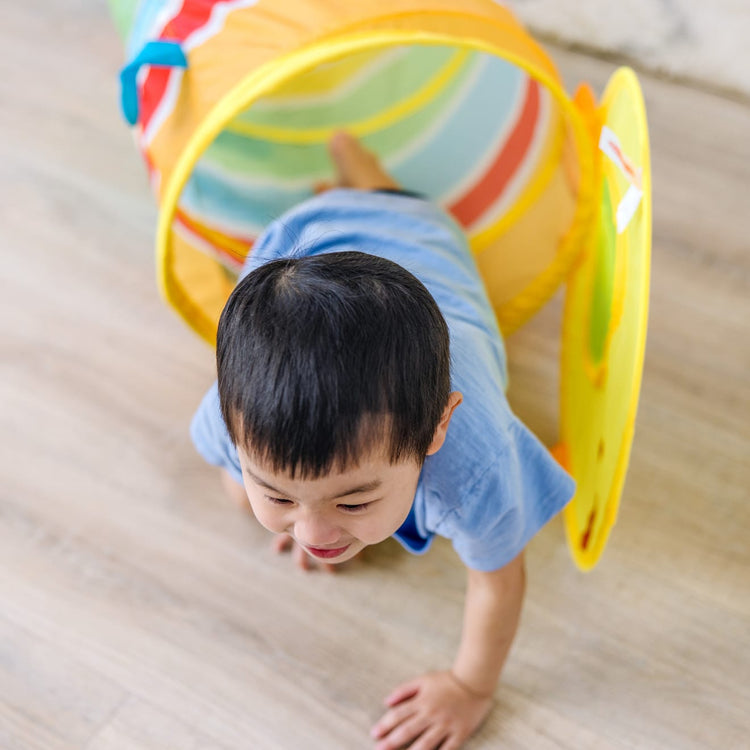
(140, 610)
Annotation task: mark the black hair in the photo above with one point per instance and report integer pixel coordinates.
(320, 356)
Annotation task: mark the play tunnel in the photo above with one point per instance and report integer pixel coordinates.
(233, 104)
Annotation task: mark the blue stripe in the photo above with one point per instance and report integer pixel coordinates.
(143, 25)
(465, 137)
(247, 209)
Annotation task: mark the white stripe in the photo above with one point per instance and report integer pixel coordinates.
(396, 158)
(165, 106)
(247, 180)
(163, 17)
(215, 22)
(478, 170)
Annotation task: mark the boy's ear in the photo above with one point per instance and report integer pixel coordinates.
(438, 438)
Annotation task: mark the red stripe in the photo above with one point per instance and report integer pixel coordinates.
(195, 227)
(153, 90)
(226, 252)
(192, 16)
(472, 205)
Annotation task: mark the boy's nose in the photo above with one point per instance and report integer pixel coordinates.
(316, 532)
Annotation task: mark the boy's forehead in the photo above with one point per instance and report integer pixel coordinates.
(370, 447)
(371, 469)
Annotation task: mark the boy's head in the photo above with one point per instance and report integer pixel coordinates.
(334, 374)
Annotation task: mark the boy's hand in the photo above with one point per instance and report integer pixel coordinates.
(355, 166)
(432, 711)
(285, 543)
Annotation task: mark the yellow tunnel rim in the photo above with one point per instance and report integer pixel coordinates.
(275, 72)
(623, 79)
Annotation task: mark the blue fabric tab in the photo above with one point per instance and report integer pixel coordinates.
(164, 54)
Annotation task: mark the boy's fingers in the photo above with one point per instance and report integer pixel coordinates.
(391, 720)
(402, 692)
(301, 558)
(404, 734)
(436, 737)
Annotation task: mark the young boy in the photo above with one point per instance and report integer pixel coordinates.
(361, 395)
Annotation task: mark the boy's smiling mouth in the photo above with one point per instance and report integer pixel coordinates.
(327, 553)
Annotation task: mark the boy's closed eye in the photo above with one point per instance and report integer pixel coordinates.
(355, 508)
(349, 508)
(278, 500)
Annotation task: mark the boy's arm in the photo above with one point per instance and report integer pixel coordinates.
(446, 707)
(491, 615)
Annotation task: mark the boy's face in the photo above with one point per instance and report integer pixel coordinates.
(335, 516)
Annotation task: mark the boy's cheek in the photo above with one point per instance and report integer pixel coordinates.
(267, 519)
(375, 533)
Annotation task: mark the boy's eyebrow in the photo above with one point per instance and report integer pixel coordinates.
(366, 487)
(359, 489)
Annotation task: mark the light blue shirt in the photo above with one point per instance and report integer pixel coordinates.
(492, 485)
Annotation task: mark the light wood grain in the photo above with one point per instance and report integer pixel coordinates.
(139, 608)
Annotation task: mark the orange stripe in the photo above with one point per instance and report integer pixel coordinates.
(233, 248)
(472, 205)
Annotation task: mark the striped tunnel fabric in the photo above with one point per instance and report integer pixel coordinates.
(409, 105)
(455, 99)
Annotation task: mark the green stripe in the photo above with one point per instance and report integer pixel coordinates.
(604, 274)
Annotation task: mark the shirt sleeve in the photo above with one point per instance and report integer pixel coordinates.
(210, 436)
(510, 502)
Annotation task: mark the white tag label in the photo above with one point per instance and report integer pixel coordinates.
(609, 143)
(627, 208)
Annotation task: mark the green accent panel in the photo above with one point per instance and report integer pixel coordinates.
(123, 13)
(604, 276)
